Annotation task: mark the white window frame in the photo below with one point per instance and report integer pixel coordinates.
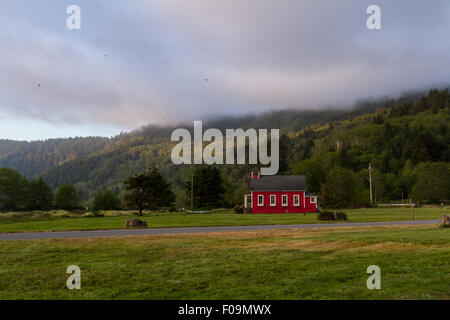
(274, 203)
(284, 196)
(296, 200)
(261, 204)
(312, 200)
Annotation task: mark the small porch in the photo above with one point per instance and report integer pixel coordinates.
(247, 203)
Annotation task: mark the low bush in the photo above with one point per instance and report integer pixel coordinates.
(60, 214)
(328, 215)
(24, 215)
(239, 208)
(89, 214)
(115, 213)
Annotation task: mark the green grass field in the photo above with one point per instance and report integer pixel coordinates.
(270, 264)
(36, 222)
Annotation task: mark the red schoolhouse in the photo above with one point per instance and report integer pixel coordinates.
(280, 194)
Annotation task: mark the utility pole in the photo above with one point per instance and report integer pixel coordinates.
(370, 183)
(192, 192)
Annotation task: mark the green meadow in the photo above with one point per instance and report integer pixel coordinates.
(270, 264)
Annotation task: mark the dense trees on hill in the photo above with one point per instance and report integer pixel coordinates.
(343, 188)
(436, 99)
(432, 182)
(314, 172)
(406, 153)
(33, 158)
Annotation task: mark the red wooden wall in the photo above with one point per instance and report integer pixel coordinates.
(305, 206)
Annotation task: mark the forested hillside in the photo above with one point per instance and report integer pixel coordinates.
(408, 146)
(406, 140)
(32, 158)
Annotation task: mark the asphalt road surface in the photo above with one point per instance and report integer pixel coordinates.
(188, 230)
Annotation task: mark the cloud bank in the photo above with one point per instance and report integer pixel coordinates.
(136, 62)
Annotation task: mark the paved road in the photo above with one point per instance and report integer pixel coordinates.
(156, 231)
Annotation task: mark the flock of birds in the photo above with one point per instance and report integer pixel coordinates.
(106, 56)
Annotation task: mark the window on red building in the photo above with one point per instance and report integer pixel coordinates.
(296, 200)
(284, 200)
(260, 200)
(273, 200)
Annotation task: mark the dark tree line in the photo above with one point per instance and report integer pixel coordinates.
(147, 190)
(206, 187)
(435, 100)
(17, 193)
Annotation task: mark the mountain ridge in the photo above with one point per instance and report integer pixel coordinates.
(93, 164)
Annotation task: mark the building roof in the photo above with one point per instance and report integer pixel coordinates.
(278, 183)
(309, 194)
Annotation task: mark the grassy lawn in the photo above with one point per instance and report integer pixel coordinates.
(270, 264)
(36, 222)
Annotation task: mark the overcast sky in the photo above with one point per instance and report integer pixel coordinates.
(256, 55)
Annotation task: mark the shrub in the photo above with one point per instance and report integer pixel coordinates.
(67, 198)
(239, 208)
(172, 209)
(106, 200)
(16, 215)
(89, 214)
(111, 214)
(60, 214)
(328, 215)
(115, 213)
